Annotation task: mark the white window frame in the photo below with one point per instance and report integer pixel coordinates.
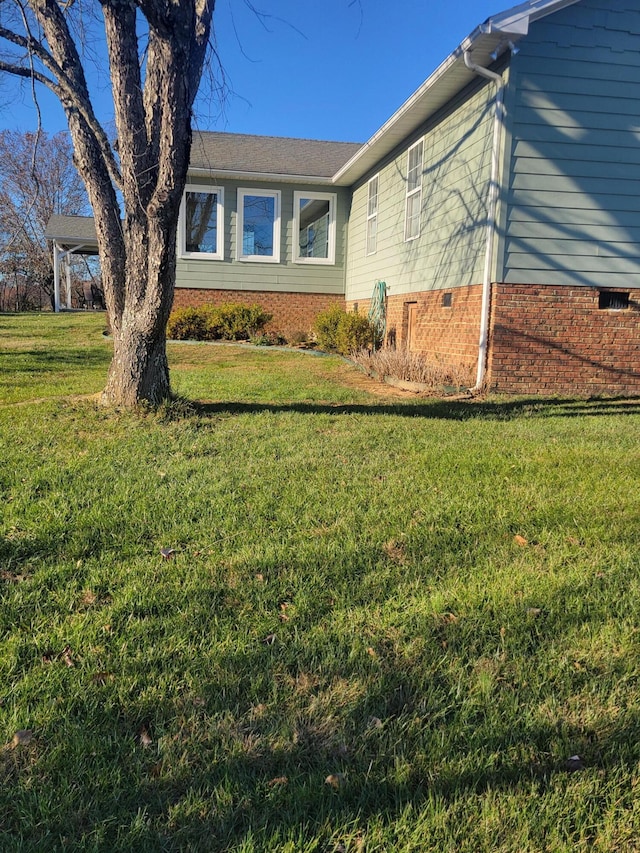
(260, 259)
(218, 255)
(331, 229)
(414, 190)
(372, 215)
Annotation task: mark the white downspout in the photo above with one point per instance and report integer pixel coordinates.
(492, 206)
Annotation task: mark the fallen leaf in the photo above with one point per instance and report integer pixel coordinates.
(269, 640)
(88, 598)
(22, 737)
(66, 656)
(278, 781)
(520, 540)
(336, 780)
(534, 611)
(574, 763)
(145, 737)
(260, 577)
(371, 651)
(374, 723)
(167, 553)
(395, 550)
(101, 677)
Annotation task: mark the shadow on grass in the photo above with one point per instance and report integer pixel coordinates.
(459, 410)
(42, 360)
(217, 772)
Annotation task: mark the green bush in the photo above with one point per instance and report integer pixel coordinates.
(189, 324)
(339, 331)
(326, 327)
(230, 322)
(355, 332)
(237, 322)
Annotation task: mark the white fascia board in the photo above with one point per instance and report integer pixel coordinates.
(516, 21)
(445, 83)
(267, 177)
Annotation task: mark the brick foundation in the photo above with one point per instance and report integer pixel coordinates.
(292, 312)
(557, 340)
(446, 333)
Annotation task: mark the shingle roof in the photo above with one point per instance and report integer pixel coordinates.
(269, 155)
(71, 230)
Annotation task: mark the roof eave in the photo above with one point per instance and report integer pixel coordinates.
(267, 177)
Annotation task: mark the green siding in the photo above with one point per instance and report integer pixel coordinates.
(456, 169)
(573, 213)
(286, 276)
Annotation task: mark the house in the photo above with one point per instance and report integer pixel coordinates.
(500, 204)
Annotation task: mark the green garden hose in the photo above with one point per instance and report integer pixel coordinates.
(378, 309)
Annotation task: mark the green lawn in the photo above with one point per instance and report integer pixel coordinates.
(434, 605)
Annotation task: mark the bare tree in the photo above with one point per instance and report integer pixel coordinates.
(37, 179)
(156, 51)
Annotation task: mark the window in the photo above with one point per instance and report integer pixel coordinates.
(372, 216)
(259, 225)
(414, 192)
(314, 228)
(201, 220)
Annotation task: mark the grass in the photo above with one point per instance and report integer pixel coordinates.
(431, 604)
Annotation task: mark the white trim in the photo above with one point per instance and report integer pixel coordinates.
(276, 195)
(238, 174)
(372, 217)
(298, 195)
(415, 193)
(218, 255)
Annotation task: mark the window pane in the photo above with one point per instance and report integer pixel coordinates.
(201, 222)
(259, 215)
(372, 233)
(414, 203)
(313, 233)
(414, 170)
(373, 196)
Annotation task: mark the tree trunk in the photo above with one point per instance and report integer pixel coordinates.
(139, 370)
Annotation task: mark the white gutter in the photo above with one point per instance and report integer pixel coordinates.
(492, 206)
(230, 174)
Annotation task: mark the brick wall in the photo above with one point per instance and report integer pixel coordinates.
(446, 333)
(557, 340)
(292, 312)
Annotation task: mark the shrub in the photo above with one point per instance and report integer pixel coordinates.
(236, 322)
(326, 327)
(188, 324)
(339, 331)
(355, 332)
(230, 322)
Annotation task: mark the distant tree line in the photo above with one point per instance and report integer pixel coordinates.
(38, 179)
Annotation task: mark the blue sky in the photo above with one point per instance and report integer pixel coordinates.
(330, 70)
